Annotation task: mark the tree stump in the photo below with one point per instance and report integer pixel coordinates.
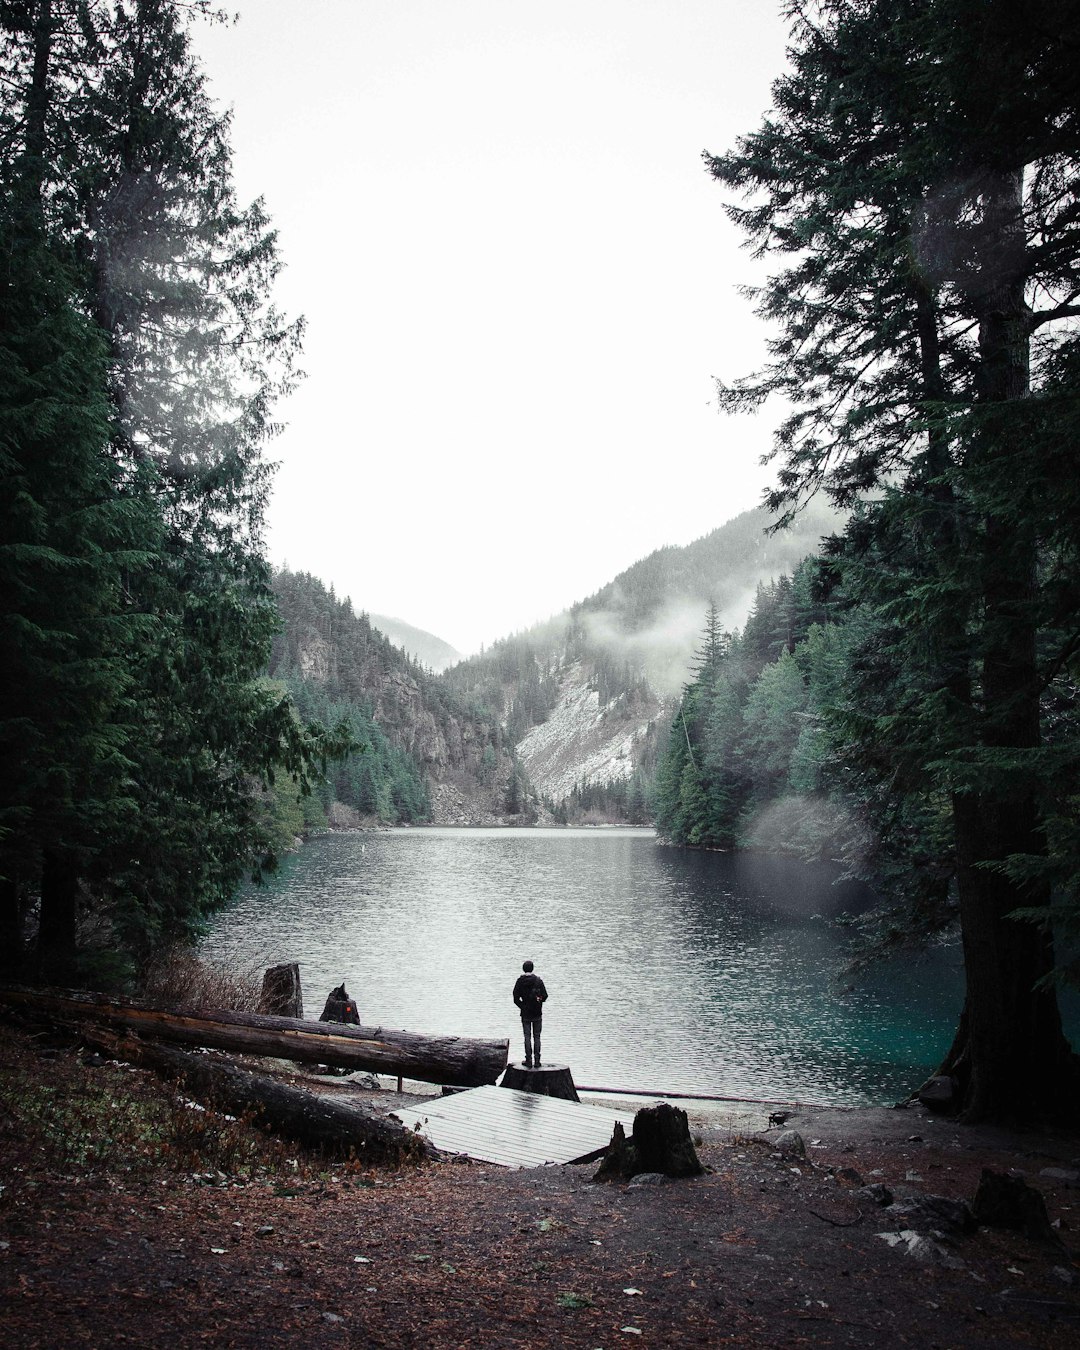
(281, 996)
(1004, 1201)
(660, 1143)
(340, 1008)
(549, 1080)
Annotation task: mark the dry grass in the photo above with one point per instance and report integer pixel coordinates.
(181, 977)
(70, 1114)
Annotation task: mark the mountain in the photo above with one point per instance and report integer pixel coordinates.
(586, 696)
(425, 755)
(652, 614)
(425, 648)
(572, 710)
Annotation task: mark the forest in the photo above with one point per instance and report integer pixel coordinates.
(915, 194)
(907, 700)
(141, 358)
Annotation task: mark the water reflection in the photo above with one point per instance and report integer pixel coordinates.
(692, 972)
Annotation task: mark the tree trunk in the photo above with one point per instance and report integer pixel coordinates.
(339, 1128)
(550, 1080)
(1010, 1055)
(56, 928)
(453, 1061)
(11, 928)
(660, 1143)
(281, 995)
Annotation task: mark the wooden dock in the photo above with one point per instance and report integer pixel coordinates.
(516, 1129)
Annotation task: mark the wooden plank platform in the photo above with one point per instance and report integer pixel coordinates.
(516, 1129)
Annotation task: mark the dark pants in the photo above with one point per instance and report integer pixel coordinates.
(532, 1028)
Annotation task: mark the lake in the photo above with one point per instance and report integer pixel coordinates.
(666, 969)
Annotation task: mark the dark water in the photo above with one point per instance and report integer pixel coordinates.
(669, 970)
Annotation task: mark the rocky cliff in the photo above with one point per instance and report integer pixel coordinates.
(342, 666)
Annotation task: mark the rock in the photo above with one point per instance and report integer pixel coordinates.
(936, 1214)
(921, 1248)
(849, 1176)
(1066, 1174)
(649, 1179)
(939, 1093)
(791, 1144)
(877, 1194)
(1004, 1201)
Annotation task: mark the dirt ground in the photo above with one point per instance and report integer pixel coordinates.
(769, 1248)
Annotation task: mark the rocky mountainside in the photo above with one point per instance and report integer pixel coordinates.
(585, 741)
(585, 696)
(426, 754)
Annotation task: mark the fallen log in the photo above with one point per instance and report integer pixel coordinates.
(330, 1125)
(453, 1061)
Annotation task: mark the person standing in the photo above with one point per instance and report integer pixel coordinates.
(530, 996)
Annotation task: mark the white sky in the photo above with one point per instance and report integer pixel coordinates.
(519, 282)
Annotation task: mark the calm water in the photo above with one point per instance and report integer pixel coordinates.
(669, 970)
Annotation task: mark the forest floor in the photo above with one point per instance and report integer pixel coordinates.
(131, 1217)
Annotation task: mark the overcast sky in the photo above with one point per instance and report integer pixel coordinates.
(519, 283)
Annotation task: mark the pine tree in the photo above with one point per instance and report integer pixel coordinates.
(143, 359)
(894, 175)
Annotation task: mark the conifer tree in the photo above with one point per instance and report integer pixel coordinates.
(925, 280)
(142, 358)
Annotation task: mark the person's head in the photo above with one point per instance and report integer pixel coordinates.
(527, 966)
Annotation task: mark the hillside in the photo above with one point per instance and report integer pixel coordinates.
(425, 648)
(585, 697)
(575, 708)
(651, 615)
(426, 755)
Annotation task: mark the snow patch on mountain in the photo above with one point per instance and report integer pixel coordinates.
(581, 742)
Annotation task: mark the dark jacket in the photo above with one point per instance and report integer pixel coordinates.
(530, 996)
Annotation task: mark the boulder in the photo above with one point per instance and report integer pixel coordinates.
(935, 1214)
(939, 1094)
(791, 1144)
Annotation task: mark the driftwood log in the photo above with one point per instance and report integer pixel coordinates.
(453, 1061)
(332, 1126)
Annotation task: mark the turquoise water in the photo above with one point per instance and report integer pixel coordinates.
(667, 970)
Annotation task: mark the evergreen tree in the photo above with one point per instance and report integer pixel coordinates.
(921, 172)
(142, 358)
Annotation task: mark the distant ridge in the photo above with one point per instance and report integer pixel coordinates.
(425, 648)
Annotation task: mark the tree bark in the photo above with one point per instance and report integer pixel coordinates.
(335, 1127)
(1010, 1055)
(281, 994)
(453, 1061)
(11, 927)
(56, 928)
(550, 1080)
